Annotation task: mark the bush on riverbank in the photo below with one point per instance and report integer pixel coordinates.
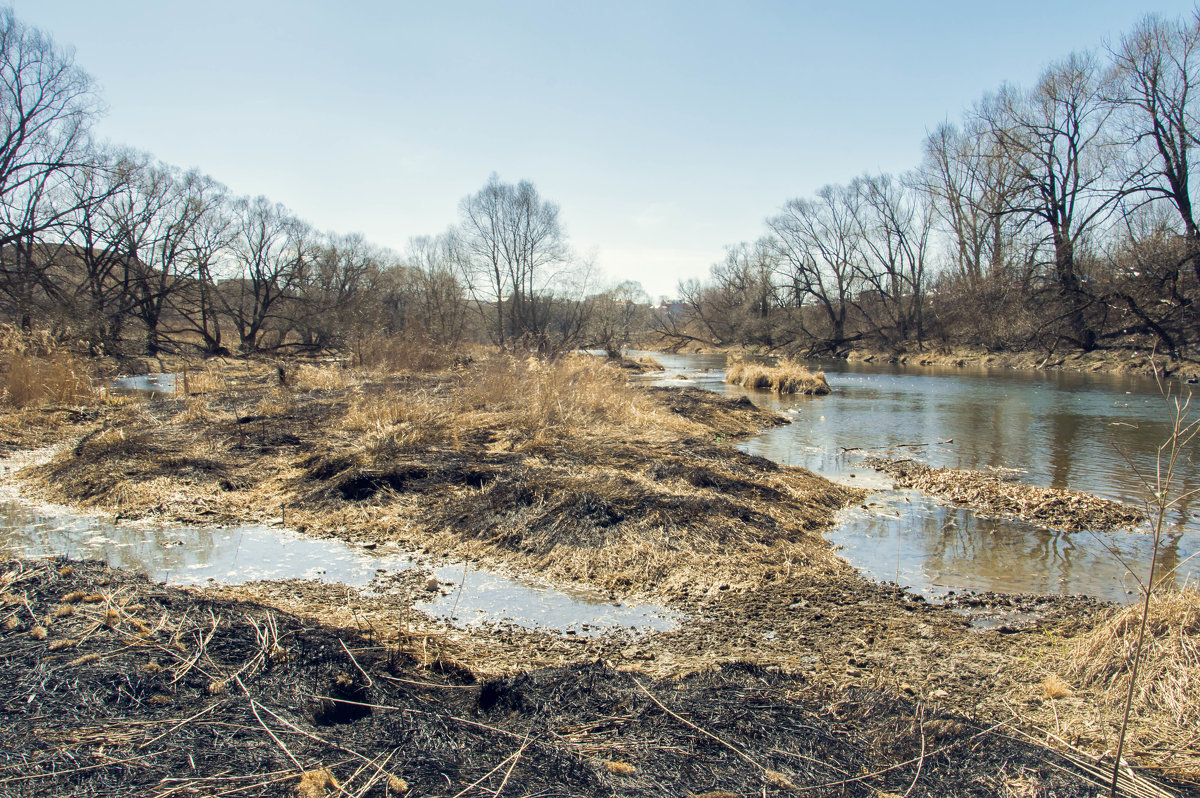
(787, 376)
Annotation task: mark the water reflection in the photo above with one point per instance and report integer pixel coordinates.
(1088, 432)
(198, 555)
(146, 383)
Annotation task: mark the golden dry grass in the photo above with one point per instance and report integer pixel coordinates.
(327, 377)
(1165, 712)
(1054, 687)
(30, 381)
(786, 376)
(37, 371)
(405, 354)
(1168, 680)
(196, 382)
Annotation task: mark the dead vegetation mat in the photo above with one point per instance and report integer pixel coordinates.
(990, 494)
(563, 469)
(110, 685)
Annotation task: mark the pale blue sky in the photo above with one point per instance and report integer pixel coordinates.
(666, 130)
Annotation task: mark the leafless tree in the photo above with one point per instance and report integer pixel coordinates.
(818, 246)
(894, 223)
(971, 186)
(46, 106)
(434, 273)
(1157, 70)
(270, 253)
(618, 313)
(1057, 141)
(514, 256)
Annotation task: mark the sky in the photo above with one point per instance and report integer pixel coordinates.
(664, 130)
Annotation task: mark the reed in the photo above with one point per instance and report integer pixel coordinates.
(786, 376)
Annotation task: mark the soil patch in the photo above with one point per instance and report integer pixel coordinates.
(990, 494)
(131, 688)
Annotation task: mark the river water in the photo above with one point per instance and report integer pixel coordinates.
(1089, 432)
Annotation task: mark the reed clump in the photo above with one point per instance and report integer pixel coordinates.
(786, 376)
(410, 353)
(37, 371)
(1166, 710)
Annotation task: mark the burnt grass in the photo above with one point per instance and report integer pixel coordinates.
(140, 689)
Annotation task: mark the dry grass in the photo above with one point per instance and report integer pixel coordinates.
(198, 382)
(1168, 682)
(787, 376)
(36, 371)
(1054, 687)
(29, 380)
(406, 354)
(329, 377)
(1165, 711)
(541, 400)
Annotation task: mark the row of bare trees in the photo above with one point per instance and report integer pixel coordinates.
(1058, 215)
(112, 248)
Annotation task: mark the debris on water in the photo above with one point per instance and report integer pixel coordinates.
(994, 494)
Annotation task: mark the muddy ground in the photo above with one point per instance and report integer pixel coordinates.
(114, 686)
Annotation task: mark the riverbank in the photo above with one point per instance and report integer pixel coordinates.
(567, 472)
(1121, 361)
(112, 683)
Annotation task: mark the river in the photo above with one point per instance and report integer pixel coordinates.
(1089, 432)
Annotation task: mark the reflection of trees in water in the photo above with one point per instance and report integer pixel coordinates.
(153, 551)
(954, 548)
(1064, 446)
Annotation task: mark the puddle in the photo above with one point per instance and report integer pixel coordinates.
(146, 383)
(478, 598)
(230, 556)
(933, 549)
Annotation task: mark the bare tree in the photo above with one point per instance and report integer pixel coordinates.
(971, 186)
(818, 246)
(46, 107)
(90, 257)
(618, 313)
(440, 300)
(332, 290)
(270, 252)
(1057, 141)
(178, 246)
(894, 223)
(514, 256)
(1157, 67)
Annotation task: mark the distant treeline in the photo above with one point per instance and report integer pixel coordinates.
(111, 249)
(1057, 216)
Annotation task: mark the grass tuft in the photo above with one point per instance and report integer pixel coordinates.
(787, 376)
